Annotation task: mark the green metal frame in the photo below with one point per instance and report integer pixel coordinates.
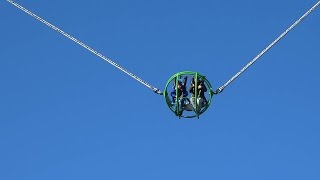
(177, 105)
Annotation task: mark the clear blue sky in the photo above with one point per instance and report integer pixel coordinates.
(66, 114)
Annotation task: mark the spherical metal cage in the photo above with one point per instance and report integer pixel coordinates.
(188, 100)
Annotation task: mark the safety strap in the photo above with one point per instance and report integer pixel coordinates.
(220, 89)
(156, 90)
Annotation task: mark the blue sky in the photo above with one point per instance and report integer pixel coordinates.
(66, 114)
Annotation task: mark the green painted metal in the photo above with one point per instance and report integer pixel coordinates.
(176, 106)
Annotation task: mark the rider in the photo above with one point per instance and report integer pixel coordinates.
(181, 88)
(201, 89)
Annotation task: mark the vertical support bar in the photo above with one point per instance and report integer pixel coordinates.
(196, 94)
(177, 100)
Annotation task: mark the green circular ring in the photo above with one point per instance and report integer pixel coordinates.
(207, 83)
